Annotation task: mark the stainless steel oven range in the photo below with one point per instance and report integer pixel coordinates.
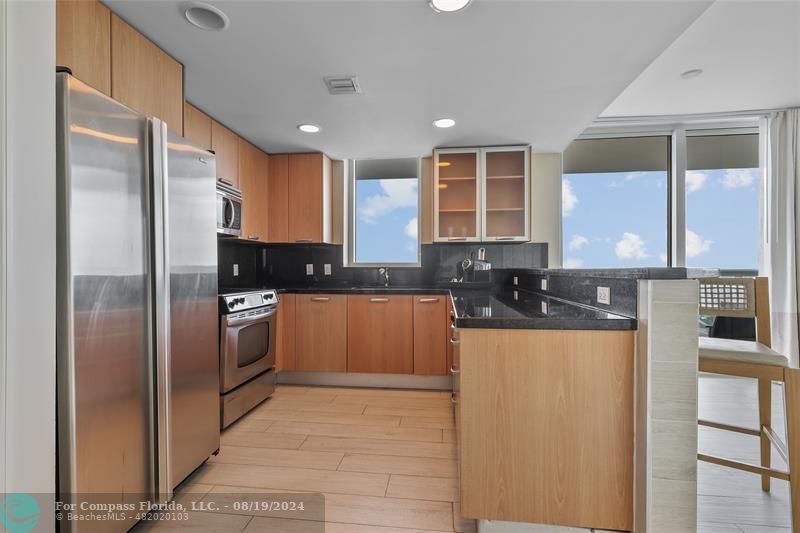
(246, 351)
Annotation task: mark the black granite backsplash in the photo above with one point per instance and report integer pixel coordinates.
(284, 265)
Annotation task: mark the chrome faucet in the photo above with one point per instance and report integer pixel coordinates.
(384, 273)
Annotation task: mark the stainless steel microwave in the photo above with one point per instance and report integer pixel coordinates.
(229, 209)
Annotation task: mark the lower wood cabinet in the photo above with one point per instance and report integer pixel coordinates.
(321, 333)
(431, 325)
(285, 336)
(380, 334)
(546, 426)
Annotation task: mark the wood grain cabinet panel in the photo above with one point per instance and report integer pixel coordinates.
(196, 126)
(83, 41)
(546, 427)
(309, 198)
(225, 144)
(431, 326)
(285, 336)
(253, 183)
(278, 199)
(144, 77)
(380, 334)
(321, 338)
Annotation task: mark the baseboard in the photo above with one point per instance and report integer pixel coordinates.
(348, 379)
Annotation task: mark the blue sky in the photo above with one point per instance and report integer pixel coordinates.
(386, 221)
(620, 219)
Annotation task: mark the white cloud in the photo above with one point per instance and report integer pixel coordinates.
(573, 263)
(736, 178)
(630, 247)
(568, 198)
(395, 194)
(411, 228)
(696, 244)
(577, 242)
(695, 180)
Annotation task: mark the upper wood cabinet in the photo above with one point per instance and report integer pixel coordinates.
(83, 41)
(225, 144)
(253, 183)
(321, 339)
(431, 327)
(144, 77)
(482, 194)
(196, 126)
(380, 334)
(278, 199)
(285, 338)
(309, 198)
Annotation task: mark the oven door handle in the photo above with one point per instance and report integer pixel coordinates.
(233, 320)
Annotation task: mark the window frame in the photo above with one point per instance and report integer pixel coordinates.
(678, 132)
(350, 222)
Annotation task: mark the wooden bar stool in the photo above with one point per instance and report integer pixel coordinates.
(749, 297)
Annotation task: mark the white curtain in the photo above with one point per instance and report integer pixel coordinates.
(780, 226)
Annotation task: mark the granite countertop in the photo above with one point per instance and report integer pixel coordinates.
(481, 308)
(659, 273)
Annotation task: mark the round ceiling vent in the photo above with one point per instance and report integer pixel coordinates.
(206, 17)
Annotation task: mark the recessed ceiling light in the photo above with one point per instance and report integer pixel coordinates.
(308, 128)
(205, 16)
(444, 122)
(693, 73)
(448, 6)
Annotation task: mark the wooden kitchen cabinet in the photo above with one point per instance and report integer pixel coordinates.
(285, 336)
(321, 338)
(225, 144)
(309, 198)
(546, 426)
(144, 77)
(83, 41)
(196, 126)
(431, 327)
(253, 165)
(278, 199)
(380, 334)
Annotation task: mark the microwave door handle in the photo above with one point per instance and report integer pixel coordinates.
(229, 213)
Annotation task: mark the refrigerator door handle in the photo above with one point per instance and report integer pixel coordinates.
(161, 305)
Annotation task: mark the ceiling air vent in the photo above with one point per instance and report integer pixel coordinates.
(342, 85)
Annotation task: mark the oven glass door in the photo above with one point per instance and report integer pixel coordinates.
(248, 346)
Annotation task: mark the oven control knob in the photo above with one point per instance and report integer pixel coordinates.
(232, 304)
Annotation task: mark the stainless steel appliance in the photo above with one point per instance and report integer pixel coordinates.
(229, 209)
(248, 326)
(137, 359)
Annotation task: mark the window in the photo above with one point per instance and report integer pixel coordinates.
(722, 200)
(383, 217)
(615, 202)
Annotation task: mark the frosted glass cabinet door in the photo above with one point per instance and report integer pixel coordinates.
(506, 194)
(457, 195)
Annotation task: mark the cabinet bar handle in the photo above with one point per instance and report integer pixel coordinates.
(456, 238)
(504, 238)
(253, 237)
(379, 300)
(304, 240)
(320, 299)
(428, 300)
(454, 370)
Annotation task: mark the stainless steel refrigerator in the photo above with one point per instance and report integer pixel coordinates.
(138, 364)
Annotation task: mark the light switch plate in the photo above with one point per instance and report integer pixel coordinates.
(544, 308)
(235, 270)
(544, 284)
(604, 295)
(327, 268)
(516, 295)
(515, 281)
(309, 269)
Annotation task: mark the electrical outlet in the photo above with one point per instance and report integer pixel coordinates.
(235, 270)
(516, 295)
(327, 269)
(544, 308)
(604, 295)
(309, 269)
(515, 281)
(544, 284)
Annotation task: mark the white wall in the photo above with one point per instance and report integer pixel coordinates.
(546, 204)
(27, 248)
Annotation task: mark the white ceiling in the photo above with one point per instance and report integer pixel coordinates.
(750, 55)
(508, 72)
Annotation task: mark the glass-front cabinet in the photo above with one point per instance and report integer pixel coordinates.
(482, 194)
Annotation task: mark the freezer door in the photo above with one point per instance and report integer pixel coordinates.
(194, 318)
(104, 375)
